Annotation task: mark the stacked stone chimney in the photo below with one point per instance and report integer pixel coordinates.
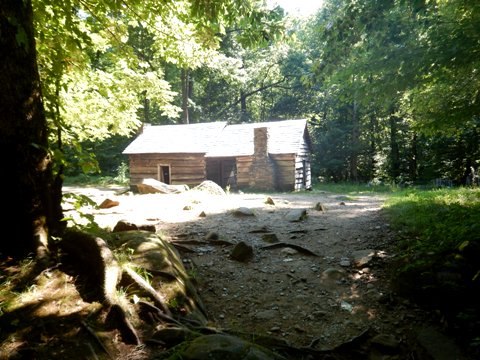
(262, 171)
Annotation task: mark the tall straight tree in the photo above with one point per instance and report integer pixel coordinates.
(33, 197)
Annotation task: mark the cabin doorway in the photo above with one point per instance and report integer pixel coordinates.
(163, 174)
(222, 171)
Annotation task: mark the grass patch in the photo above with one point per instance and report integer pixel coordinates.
(355, 188)
(435, 220)
(439, 248)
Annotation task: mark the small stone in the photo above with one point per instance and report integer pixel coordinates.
(319, 207)
(108, 203)
(362, 258)
(187, 207)
(202, 214)
(342, 203)
(270, 238)
(345, 263)
(269, 201)
(242, 252)
(124, 225)
(386, 341)
(296, 215)
(299, 329)
(211, 235)
(346, 306)
(333, 274)
(243, 212)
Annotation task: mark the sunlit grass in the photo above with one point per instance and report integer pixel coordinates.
(355, 188)
(435, 220)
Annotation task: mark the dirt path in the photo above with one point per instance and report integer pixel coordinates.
(322, 300)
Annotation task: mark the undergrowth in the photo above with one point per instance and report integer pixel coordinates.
(436, 220)
(438, 255)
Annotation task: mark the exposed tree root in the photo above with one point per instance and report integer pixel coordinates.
(97, 339)
(157, 314)
(118, 316)
(293, 246)
(140, 282)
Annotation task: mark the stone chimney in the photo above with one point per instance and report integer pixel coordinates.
(262, 172)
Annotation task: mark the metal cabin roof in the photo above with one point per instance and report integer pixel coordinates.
(219, 139)
(285, 137)
(182, 138)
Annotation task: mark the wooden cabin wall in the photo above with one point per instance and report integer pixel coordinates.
(285, 171)
(244, 164)
(184, 168)
(303, 169)
(303, 173)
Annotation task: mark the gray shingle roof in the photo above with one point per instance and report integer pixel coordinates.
(218, 139)
(190, 138)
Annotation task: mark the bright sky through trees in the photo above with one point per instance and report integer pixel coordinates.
(298, 7)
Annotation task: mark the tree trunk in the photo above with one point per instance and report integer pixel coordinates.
(372, 163)
(394, 148)
(31, 195)
(243, 107)
(185, 93)
(354, 144)
(414, 159)
(146, 108)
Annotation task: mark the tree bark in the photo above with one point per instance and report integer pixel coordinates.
(373, 147)
(394, 148)
(185, 93)
(414, 159)
(243, 107)
(354, 144)
(31, 194)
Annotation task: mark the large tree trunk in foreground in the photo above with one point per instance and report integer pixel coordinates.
(31, 197)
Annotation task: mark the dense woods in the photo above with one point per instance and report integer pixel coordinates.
(390, 89)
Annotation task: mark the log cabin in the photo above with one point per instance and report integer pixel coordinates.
(268, 156)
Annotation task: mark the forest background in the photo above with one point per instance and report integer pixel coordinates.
(390, 89)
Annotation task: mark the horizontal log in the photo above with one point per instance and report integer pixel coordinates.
(198, 177)
(170, 162)
(178, 156)
(282, 156)
(244, 159)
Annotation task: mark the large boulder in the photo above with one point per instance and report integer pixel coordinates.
(220, 347)
(210, 187)
(152, 186)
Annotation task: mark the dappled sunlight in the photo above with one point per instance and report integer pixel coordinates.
(53, 294)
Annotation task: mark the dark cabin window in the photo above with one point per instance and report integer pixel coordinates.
(164, 173)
